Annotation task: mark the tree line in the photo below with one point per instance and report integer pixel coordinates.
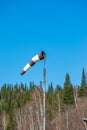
(21, 106)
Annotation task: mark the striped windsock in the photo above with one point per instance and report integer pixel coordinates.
(35, 59)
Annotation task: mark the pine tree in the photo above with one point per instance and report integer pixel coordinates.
(50, 93)
(68, 96)
(83, 81)
(50, 101)
(82, 90)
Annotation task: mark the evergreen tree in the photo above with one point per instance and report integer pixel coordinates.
(82, 90)
(83, 81)
(50, 101)
(50, 93)
(68, 96)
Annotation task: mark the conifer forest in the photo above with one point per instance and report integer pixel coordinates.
(21, 106)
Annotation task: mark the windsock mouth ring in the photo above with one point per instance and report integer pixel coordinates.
(42, 55)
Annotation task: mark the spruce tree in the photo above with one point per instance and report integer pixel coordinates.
(82, 90)
(50, 101)
(68, 96)
(83, 81)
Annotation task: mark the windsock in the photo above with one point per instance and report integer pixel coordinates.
(35, 59)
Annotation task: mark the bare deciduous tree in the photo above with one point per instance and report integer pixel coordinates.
(31, 116)
(4, 121)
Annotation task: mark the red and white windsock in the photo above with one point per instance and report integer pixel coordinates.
(35, 59)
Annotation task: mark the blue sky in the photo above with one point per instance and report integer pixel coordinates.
(58, 28)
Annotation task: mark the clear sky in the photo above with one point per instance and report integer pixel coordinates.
(57, 27)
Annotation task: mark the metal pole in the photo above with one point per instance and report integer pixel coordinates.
(44, 90)
(59, 107)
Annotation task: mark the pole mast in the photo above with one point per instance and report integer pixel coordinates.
(44, 91)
